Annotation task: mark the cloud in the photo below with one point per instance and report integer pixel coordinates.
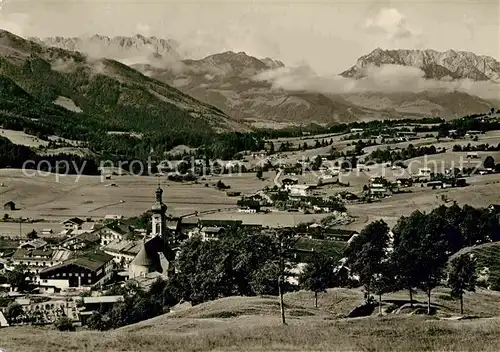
(392, 23)
(64, 65)
(384, 79)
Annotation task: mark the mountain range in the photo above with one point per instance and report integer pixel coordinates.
(227, 81)
(111, 95)
(436, 65)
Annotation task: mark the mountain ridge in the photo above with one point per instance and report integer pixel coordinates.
(434, 64)
(110, 91)
(227, 81)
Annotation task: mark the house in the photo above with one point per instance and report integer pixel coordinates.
(37, 243)
(289, 181)
(47, 232)
(37, 259)
(472, 155)
(356, 130)
(72, 224)
(10, 206)
(300, 190)
(233, 194)
(473, 133)
(110, 217)
(113, 232)
(91, 269)
(81, 241)
(424, 172)
(378, 191)
(211, 232)
(92, 304)
(435, 184)
(247, 210)
(123, 251)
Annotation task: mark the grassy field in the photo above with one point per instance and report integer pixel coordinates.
(252, 323)
(21, 138)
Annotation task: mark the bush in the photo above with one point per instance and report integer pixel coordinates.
(64, 324)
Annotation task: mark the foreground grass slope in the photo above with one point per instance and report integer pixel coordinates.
(252, 323)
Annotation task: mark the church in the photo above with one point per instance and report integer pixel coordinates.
(155, 254)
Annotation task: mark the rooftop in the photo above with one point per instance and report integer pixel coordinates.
(123, 246)
(76, 221)
(102, 299)
(90, 260)
(36, 243)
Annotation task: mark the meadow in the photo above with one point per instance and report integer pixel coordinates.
(253, 323)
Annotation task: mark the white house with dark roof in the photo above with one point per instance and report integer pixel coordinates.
(123, 251)
(91, 269)
(38, 259)
(72, 224)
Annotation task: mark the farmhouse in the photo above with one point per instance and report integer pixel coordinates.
(300, 190)
(113, 232)
(37, 243)
(92, 269)
(289, 181)
(472, 155)
(424, 172)
(37, 259)
(92, 304)
(72, 224)
(123, 252)
(211, 232)
(473, 133)
(111, 217)
(81, 241)
(10, 205)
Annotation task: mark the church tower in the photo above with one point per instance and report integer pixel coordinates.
(159, 218)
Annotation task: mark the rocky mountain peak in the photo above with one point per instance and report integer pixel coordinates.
(119, 47)
(435, 64)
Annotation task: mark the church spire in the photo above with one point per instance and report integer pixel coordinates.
(159, 193)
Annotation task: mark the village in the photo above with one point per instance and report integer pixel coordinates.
(121, 228)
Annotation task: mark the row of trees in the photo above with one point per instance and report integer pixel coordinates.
(418, 254)
(393, 155)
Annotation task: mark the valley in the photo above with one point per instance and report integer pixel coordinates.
(279, 186)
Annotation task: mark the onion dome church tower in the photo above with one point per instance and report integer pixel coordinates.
(159, 218)
(155, 253)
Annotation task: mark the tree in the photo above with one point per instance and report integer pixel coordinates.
(489, 162)
(405, 255)
(259, 173)
(317, 163)
(383, 282)
(64, 324)
(420, 252)
(462, 277)
(14, 313)
(20, 278)
(318, 274)
(271, 148)
(32, 235)
(367, 253)
(264, 281)
(432, 256)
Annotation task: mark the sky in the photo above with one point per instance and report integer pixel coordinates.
(328, 36)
